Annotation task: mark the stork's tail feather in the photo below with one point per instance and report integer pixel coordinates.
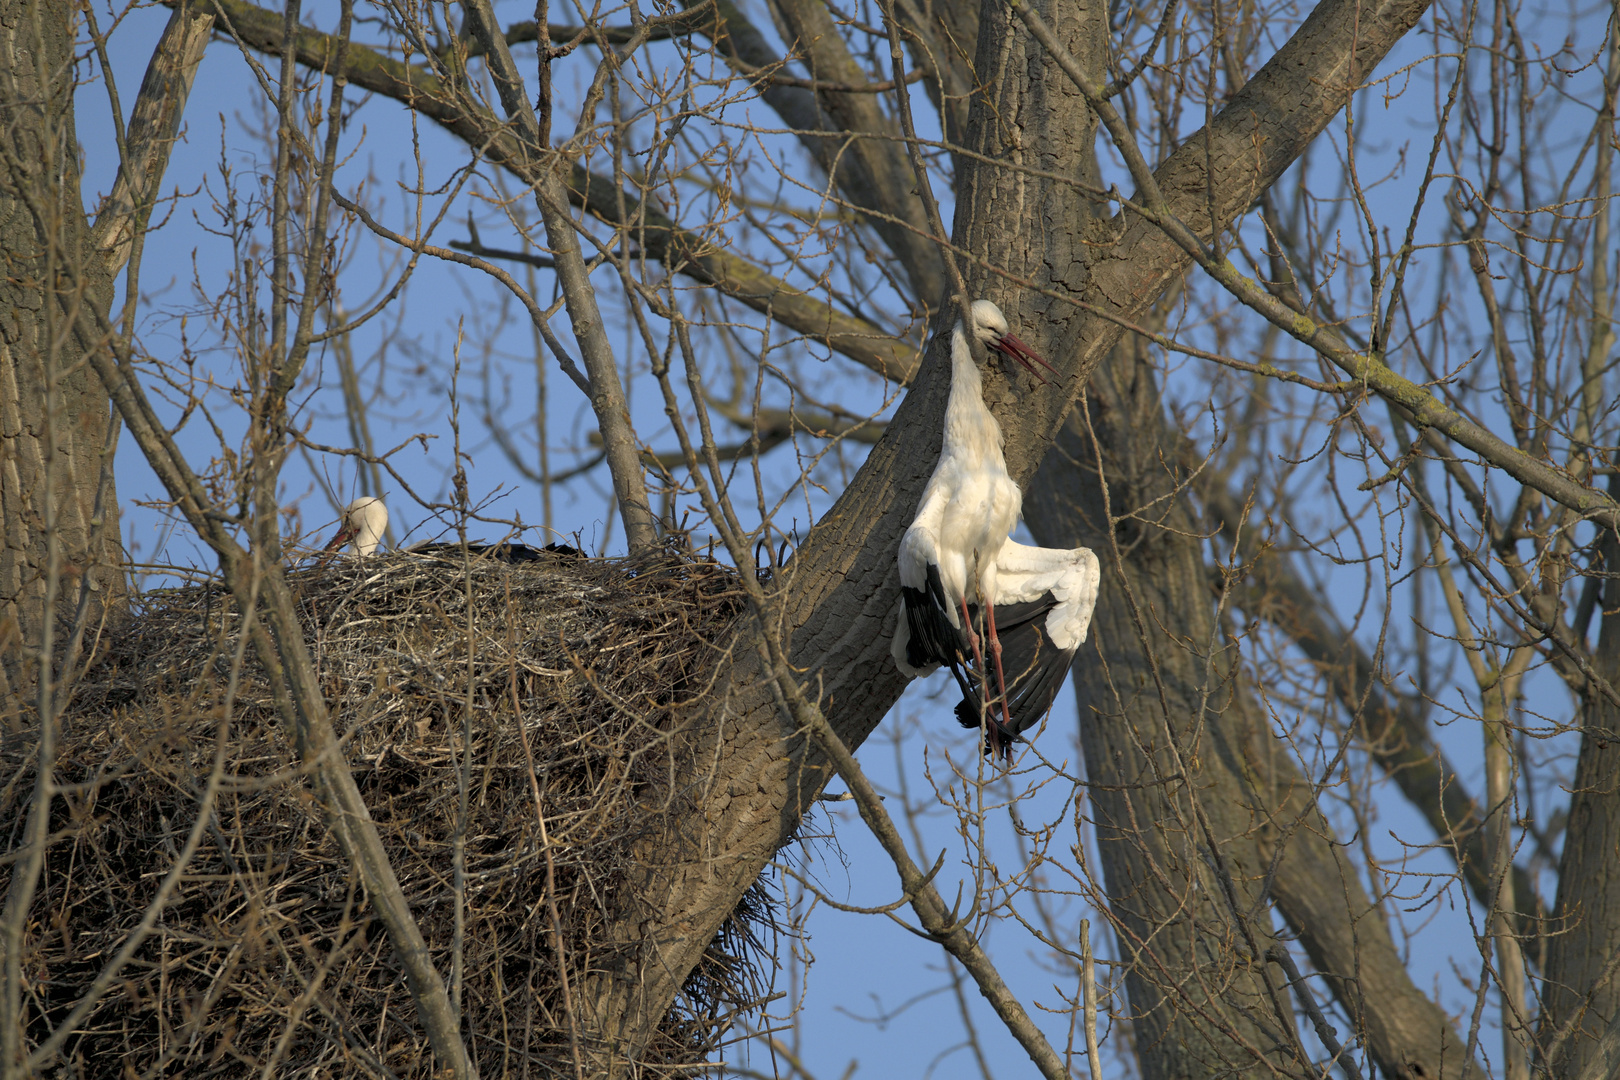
(998, 741)
(967, 713)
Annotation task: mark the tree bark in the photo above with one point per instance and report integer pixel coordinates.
(1581, 991)
(53, 412)
(56, 435)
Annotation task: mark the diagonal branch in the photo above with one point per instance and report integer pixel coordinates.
(872, 170)
(154, 125)
(607, 393)
(1319, 892)
(1367, 366)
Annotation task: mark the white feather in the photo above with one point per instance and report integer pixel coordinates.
(1071, 575)
(970, 504)
(365, 519)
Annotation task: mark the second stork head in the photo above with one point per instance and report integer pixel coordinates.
(990, 327)
(363, 523)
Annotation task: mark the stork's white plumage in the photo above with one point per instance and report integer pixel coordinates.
(955, 555)
(970, 504)
(363, 523)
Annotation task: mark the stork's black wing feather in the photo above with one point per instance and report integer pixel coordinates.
(1035, 669)
(933, 639)
(504, 552)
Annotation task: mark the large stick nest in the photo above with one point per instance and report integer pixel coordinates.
(435, 670)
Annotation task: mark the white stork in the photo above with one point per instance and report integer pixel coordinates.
(951, 558)
(366, 519)
(363, 523)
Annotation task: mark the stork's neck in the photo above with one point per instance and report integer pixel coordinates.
(367, 539)
(969, 427)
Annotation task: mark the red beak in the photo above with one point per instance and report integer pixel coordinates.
(1011, 347)
(344, 535)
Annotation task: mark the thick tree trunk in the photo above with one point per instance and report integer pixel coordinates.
(1581, 993)
(1157, 689)
(1264, 810)
(56, 435)
(55, 467)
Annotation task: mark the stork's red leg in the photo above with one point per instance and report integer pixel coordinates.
(978, 657)
(973, 639)
(994, 733)
(995, 651)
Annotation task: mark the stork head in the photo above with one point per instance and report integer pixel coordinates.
(363, 522)
(990, 327)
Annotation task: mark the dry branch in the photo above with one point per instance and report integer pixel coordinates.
(153, 127)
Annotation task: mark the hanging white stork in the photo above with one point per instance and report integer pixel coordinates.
(362, 523)
(954, 555)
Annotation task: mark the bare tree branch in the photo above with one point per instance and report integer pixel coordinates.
(1397, 735)
(660, 239)
(154, 125)
(1427, 410)
(871, 167)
